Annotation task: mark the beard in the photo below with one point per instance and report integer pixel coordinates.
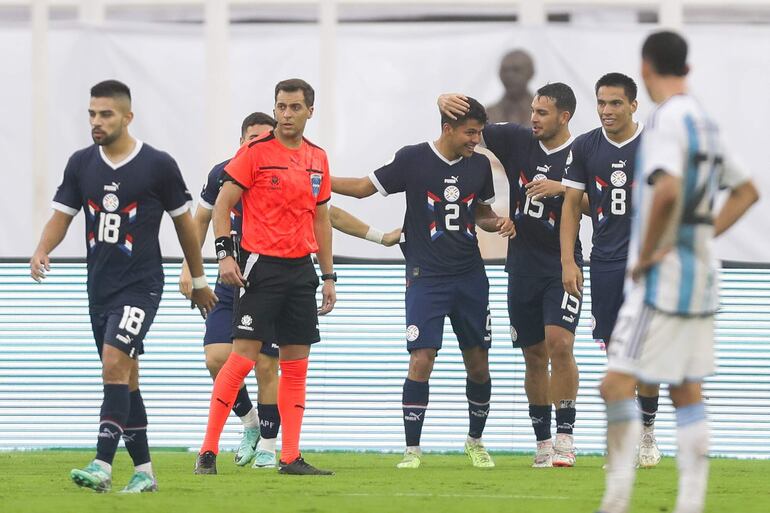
(106, 139)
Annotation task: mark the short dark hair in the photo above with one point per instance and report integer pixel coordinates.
(562, 95)
(110, 89)
(296, 84)
(667, 52)
(476, 112)
(618, 80)
(257, 118)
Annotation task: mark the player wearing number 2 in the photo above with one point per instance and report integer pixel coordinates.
(448, 193)
(601, 165)
(123, 186)
(543, 316)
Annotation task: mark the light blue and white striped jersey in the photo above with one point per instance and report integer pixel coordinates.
(682, 141)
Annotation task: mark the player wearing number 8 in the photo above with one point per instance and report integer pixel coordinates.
(448, 193)
(124, 187)
(601, 166)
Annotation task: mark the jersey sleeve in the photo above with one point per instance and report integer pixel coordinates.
(241, 168)
(67, 198)
(733, 172)
(575, 174)
(176, 198)
(487, 194)
(326, 183)
(210, 189)
(664, 145)
(391, 178)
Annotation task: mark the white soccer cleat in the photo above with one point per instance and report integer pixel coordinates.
(544, 454)
(649, 454)
(412, 459)
(564, 451)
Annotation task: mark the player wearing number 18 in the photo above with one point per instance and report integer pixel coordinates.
(448, 193)
(123, 186)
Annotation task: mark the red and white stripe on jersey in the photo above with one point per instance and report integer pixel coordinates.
(131, 211)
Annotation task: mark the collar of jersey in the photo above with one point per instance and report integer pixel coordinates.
(126, 160)
(555, 150)
(439, 155)
(639, 128)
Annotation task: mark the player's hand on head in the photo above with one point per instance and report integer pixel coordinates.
(185, 281)
(328, 297)
(453, 105)
(540, 189)
(39, 264)
(391, 238)
(506, 227)
(572, 279)
(205, 299)
(230, 273)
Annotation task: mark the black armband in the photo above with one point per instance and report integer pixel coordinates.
(223, 247)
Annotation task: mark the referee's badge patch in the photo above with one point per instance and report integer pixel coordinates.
(315, 182)
(412, 332)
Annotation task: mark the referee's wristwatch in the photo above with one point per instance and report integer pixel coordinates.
(329, 276)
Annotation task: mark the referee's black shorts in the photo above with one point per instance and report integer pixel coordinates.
(278, 304)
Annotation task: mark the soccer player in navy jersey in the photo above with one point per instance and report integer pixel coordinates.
(601, 165)
(448, 193)
(260, 425)
(665, 328)
(124, 186)
(543, 315)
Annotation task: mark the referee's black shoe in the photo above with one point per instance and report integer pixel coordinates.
(300, 467)
(206, 463)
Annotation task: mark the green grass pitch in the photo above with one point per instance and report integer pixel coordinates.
(38, 481)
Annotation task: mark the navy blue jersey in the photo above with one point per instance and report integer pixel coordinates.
(439, 225)
(211, 191)
(605, 170)
(535, 250)
(123, 205)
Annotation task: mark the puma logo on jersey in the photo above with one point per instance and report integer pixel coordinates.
(620, 164)
(452, 179)
(112, 188)
(545, 168)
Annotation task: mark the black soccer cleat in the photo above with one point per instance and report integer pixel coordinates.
(206, 463)
(300, 467)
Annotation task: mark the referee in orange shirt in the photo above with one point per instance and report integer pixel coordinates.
(283, 182)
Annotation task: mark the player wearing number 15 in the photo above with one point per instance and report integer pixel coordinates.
(123, 186)
(543, 316)
(448, 193)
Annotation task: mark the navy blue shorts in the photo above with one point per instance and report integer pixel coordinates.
(607, 280)
(123, 327)
(464, 299)
(219, 322)
(535, 302)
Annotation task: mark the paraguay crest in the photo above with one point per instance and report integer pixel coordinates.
(315, 182)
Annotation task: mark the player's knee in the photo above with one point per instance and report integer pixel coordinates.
(421, 364)
(560, 351)
(536, 357)
(214, 363)
(267, 370)
(616, 387)
(114, 369)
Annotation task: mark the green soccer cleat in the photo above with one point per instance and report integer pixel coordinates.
(248, 447)
(264, 459)
(412, 459)
(478, 454)
(141, 482)
(93, 477)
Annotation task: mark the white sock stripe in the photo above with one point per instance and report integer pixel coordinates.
(143, 428)
(478, 404)
(105, 421)
(417, 406)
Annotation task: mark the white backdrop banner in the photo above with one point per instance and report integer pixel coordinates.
(388, 77)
